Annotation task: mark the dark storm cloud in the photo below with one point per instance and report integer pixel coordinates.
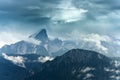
(89, 16)
(97, 7)
(37, 10)
(26, 10)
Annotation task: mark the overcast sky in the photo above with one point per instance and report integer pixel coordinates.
(61, 18)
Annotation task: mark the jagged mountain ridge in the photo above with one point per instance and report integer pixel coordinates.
(46, 46)
(56, 47)
(23, 47)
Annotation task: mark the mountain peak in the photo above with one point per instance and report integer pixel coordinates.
(43, 31)
(41, 35)
(83, 55)
(78, 64)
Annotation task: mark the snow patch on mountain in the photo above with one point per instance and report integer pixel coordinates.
(112, 70)
(33, 41)
(44, 59)
(46, 46)
(87, 69)
(117, 63)
(88, 75)
(115, 77)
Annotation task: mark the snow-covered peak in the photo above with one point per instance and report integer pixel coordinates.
(41, 35)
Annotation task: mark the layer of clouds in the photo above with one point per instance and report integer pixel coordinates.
(40, 11)
(18, 60)
(96, 16)
(96, 40)
(68, 13)
(9, 38)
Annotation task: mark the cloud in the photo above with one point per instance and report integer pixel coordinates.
(44, 59)
(68, 13)
(50, 11)
(91, 41)
(9, 35)
(9, 38)
(18, 60)
(38, 10)
(2, 43)
(12, 32)
(35, 11)
(117, 42)
(96, 40)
